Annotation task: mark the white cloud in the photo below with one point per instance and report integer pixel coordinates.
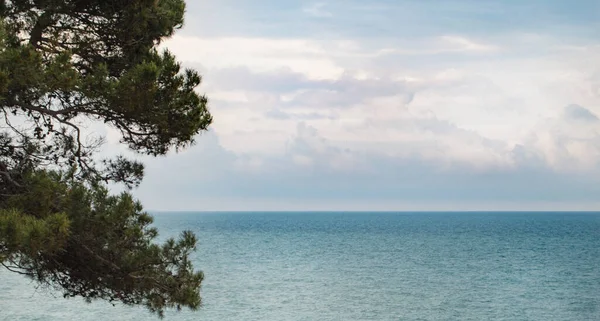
(305, 115)
(317, 10)
(569, 142)
(258, 54)
(317, 59)
(464, 44)
(485, 107)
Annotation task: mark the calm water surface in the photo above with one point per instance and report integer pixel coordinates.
(368, 266)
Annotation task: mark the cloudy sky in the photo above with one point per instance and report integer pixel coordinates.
(389, 105)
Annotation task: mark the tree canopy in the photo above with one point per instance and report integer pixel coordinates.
(64, 64)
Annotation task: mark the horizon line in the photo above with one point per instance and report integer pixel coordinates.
(373, 211)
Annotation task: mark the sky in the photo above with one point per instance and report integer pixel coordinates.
(388, 105)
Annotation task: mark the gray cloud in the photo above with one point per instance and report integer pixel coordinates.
(279, 114)
(346, 91)
(209, 172)
(576, 112)
(242, 78)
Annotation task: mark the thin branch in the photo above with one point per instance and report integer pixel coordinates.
(12, 269)
(7, 121)
(50, 112)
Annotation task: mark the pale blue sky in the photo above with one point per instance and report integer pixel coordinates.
(389, 105)
(394, 18)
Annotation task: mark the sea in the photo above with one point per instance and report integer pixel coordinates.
(366, 266)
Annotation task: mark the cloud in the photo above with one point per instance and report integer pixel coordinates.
(282, 115)
(388, 103)
(317, 10)
(277, 114)
(281, 80)
(308, 148)
(469, 113)
(315, 171)
(299, 55)
(465, 44)
(568, 143)
(576, 112)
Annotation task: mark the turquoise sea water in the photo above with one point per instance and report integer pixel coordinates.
(368, 266)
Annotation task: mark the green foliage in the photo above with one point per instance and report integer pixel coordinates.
(63, 63)
(29, 235)
(98, 246)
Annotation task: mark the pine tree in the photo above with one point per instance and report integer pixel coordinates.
(66, 63)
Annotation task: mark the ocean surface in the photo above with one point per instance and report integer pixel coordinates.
(367, 266)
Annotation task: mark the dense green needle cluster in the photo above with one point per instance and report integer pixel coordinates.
(64, 64)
